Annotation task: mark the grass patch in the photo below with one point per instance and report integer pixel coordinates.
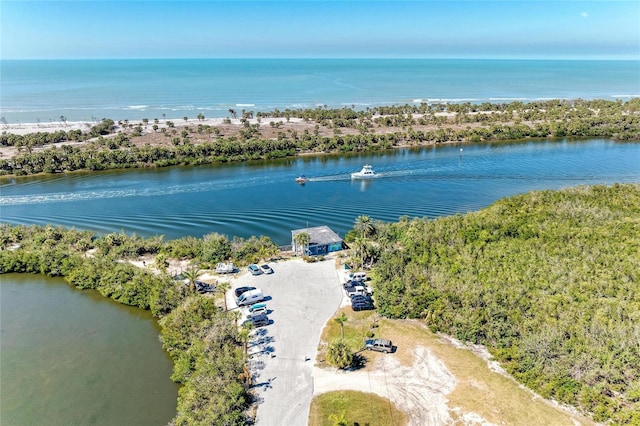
(356, 330)
(357, 407)
(356, 327)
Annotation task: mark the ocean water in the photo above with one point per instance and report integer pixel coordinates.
(86, 90)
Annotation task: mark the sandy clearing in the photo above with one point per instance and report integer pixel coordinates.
(419, 390)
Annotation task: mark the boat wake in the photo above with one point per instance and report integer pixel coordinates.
(332, 178)
(155, 191)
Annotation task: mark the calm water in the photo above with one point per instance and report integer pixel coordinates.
(261, 198)
(72, 357)
(37, 90)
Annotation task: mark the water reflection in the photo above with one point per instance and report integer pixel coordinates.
(363, 184)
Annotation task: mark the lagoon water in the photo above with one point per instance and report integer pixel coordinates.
(86, 90)
(72, 357)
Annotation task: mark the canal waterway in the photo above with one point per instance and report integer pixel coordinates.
(72, 357)
(261, 198)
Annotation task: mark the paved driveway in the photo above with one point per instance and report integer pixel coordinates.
(301, 297)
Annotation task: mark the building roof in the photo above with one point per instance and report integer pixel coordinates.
(319, 235)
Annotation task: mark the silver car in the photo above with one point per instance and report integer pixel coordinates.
(380, 345)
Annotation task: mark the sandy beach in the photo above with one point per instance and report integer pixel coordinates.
(55, 126)
(26, 128)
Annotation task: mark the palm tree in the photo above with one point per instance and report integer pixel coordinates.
(358, 246)
(236, 316)
(192, 275)
(263, 253)
(302, 240)
(365, 225)
(243, 335)
(341, 320)
(223, 287)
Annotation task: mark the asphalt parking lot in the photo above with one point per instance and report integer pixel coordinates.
(301, 297)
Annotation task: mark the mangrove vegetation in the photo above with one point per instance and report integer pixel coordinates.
(548, 281)
(197, 331)
(109, 145)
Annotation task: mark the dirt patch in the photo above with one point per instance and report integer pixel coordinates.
(419, 389)
(438, 380)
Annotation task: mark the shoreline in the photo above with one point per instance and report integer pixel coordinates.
(51, 127)
(306, 133)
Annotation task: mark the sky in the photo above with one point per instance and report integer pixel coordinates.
(558, 29)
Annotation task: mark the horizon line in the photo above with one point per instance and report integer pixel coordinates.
(328, 58)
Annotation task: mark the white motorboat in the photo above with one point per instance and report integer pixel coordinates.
(366, 173)
(302, 179)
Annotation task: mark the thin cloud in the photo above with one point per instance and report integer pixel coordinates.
(584, 14)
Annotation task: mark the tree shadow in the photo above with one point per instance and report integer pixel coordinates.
(359, 361)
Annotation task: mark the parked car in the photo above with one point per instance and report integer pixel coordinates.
(357, 290)
(357, 277)
(379, 345)
(203, 287)
(254, 270)
(225, 268)
(257, 321)
(266, 269)
(250, 297)
(254, 315)
(359, 298)
(238, 291)
(258, 308)
(362, 306)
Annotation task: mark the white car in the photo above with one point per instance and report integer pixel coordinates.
(266, 269)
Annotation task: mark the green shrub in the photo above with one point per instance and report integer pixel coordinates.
(339, 355)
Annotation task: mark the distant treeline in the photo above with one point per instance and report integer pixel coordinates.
(464, 123)
(548, 281)
(201, 336)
